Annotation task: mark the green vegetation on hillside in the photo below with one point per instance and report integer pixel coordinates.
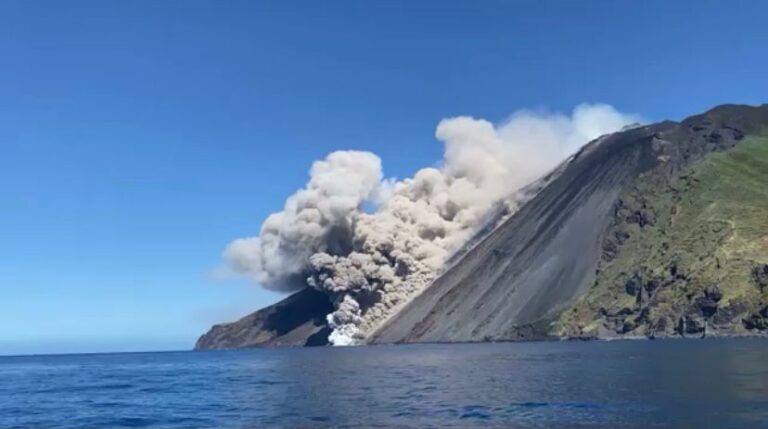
(687, 255)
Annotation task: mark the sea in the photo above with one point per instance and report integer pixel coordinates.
(715, 383)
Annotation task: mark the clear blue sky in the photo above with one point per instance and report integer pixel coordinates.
(137, 138)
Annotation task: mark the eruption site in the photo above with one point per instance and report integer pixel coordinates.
(372, 263)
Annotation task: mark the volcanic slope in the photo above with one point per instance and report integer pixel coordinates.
(642, 234)
(298, 320)
(657, 231)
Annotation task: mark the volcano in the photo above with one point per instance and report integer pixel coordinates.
(655, 231)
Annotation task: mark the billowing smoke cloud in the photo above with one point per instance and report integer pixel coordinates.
(370, 264)
(318, 218)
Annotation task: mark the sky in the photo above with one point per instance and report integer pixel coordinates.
(137, 139)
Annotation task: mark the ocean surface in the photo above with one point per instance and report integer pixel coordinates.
(620, 384)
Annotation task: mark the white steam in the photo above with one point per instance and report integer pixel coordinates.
(370, 264)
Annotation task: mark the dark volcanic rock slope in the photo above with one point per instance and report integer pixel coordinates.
(519, 279)
(298, 320)
(543, 272)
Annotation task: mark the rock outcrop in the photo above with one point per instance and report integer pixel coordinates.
(298, 320)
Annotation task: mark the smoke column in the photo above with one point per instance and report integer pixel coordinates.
(370, 264)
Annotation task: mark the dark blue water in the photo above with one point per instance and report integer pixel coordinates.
(707, 384)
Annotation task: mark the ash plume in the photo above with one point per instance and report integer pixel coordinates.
(370, 264)
(317, 218)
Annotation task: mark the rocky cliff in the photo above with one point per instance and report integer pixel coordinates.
(298, 320)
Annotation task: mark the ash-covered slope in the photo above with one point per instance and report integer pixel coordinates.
(550, 254)
(298, 320)
(532, 267)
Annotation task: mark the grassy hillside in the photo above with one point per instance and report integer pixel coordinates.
(687, 253)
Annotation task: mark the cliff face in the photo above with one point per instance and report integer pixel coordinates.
(660, 230)
(687, 249)
(298, 320)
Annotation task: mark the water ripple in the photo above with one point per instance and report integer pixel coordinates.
(710, 384)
